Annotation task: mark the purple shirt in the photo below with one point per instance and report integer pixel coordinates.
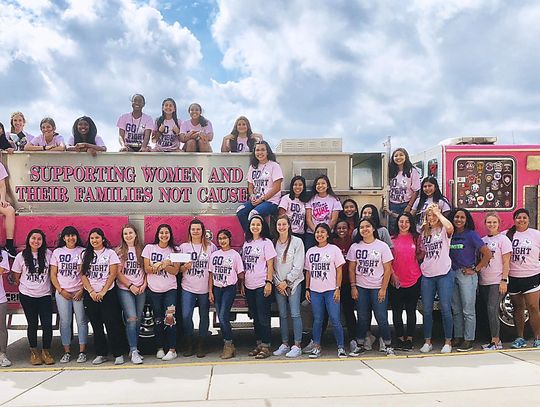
(464, 248)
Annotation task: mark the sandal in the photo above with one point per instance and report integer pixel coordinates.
(255, 351)
(264, 353)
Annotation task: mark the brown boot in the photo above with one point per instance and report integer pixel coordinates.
(201, 348)
(35, 357)
(188, 346)
(47, 358)
(228, 351)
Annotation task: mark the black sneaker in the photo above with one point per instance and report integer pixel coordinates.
(400, 343)
(11, 251)
(357, 351)
(465, 346)
(407, 345)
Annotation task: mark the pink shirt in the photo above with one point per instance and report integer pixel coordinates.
(131, 268)
(526, 249)
(322, 208)
(37, 284)
(3, 172)
(405, 264)
(242, 145)
(187, 126)
(168, 141)
(437, 260)
(321, 263)
(195, 280)
(99, 269)
(56, 141)
(255, 254)
(402, 188)
(225, 267)
(296, 212)
(492, 273)
(134, 128)
(5, 265)
(67, 262)
(99, 141)
(263, 179)
(370, 259)
(162, 281)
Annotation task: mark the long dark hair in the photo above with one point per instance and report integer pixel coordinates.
(329, 190)
(437, 195)
(412, 227)
(4, 143)
(171, 240)
(204, 241)
(393, 168)
(469, 222)
(234, 141)
(289, 235)
(374, 215)
(358, 238)
(89, 254)
(328, 232)
(512, 231)
(304, 196)
(92, 131)
(265, 230)
(355, 217)
(271, 156)
(161, 118)
(203, 121)
(41, 254)
(68, 231)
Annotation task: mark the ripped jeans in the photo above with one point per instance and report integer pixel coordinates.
(246, 210)
(164, 306)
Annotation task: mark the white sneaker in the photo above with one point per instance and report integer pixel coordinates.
(141, 356)
(65, 358)
(99, 360)
(119, 360)
(308, 348)
(81, 358)
(446, 349)
(382, 346)
(369, 341)
(160, 353)
(4, 361)
(169, 356)
(341, 353)
(282, 350)
(426, 348)
(315, 353)
(294, 352)
(390, 351)
(136, 358)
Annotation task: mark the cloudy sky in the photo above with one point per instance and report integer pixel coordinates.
(418, 71)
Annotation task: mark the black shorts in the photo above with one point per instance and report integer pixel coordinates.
(523, 285)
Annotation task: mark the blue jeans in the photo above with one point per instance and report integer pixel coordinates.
(259, 308)
(189, 301)
(223, 300)
(464, 305)
(444, 286)
(368, 301)
(247, 210)
(132, 307)
(165, 334)
(392, 222)
(309, 241)
(320, 302)
(293, 301)
(65, 312)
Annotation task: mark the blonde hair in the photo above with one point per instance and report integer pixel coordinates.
(426, 228)
(11, 119)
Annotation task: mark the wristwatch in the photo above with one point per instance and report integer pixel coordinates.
(504, 280)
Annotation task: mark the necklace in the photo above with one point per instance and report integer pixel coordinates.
(195, 251)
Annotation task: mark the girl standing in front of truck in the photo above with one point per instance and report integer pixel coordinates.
(429, 193)
(31, 268)
(323, 207)
(4, 268)
(350, 214)
(524, 284)
(196, 286)
(493, 279)
(264, 185)
(67, 280)
(258, 254)
(404, 186)
(293, 205)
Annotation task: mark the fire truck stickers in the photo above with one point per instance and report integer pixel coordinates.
(484, 183)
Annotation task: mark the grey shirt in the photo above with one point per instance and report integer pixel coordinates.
(292, 270)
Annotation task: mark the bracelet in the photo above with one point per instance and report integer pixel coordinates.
(338, 288)
(129, 286)
(308, 289)
(268, 281)
(504, 280)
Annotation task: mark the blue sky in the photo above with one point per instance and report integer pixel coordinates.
(418, 71)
